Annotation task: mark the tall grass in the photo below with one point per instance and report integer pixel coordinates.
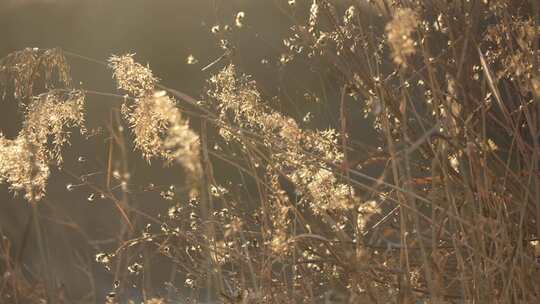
(297, 215)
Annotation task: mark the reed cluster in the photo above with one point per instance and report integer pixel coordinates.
(451, 89)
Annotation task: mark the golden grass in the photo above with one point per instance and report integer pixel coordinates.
(454, 216)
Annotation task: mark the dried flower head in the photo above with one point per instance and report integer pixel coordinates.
(158, 125)
(366, 210)
(20, 69)
(161, 131)
(25, 161)
(399, 32)
(47, 117)
(131, 76)
(303, 155)
(21, 170)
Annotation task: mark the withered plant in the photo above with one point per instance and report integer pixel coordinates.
(451, 89)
